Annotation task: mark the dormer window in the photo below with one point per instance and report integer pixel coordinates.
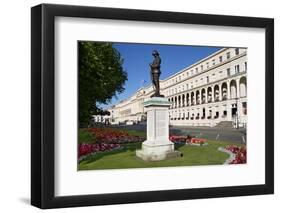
(228, 55)
(236, 51)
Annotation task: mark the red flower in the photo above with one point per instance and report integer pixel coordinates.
(85, 149)
(240, 154)
(107, 135)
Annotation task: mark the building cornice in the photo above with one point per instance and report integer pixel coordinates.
(209, 69)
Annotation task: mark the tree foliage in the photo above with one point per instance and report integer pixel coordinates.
(101, 76)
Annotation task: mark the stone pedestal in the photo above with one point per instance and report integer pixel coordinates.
(157, 146)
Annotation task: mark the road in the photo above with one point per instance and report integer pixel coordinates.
(211, 133)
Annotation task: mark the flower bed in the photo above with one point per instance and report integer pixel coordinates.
(86, 149)
(197, 141)
(113, 136)
(179, 139)
(240, 154)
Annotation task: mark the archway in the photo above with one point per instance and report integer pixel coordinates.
(224, 91)
(243, 87)
(217, 92)
(192, 98)
(209, 91)
(187, 99)
(203, 96)
(197, 97)
(233, 89)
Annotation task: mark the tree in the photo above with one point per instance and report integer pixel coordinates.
(101, 76)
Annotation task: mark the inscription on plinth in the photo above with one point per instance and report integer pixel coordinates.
(161, 124)
(150, 125)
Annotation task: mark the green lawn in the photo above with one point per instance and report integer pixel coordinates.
(126, 158)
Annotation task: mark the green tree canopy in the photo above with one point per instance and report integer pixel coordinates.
(101, 76)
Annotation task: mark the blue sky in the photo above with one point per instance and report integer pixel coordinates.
(138, 56)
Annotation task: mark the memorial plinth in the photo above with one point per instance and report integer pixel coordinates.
(157, 146)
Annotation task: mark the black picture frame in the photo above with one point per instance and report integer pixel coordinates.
(43, 102)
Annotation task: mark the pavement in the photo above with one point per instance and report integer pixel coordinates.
(211, 133)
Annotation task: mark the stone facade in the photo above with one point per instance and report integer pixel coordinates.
(211, 91)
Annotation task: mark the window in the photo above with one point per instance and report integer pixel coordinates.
(196, 69)
(187, 86)
(228, 71)
(202, 67)
(245, 64)
(214, 62)
(228, 55)
(191, 72)
(236, 51)
(207, 79)
(220, 58)
(179, 78)
(207, 65)
(237, 69)
(187, 74)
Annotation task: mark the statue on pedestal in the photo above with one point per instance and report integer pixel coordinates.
(157, 145)
(155, 74)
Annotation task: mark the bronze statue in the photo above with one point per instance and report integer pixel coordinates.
(155, 74)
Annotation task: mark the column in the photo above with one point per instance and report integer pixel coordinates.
(220, 92)
(213, 94)
(238, 88)
(228, 90)
(206, 95)
(200, 96)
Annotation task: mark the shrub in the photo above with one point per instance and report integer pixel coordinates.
(86, 137)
